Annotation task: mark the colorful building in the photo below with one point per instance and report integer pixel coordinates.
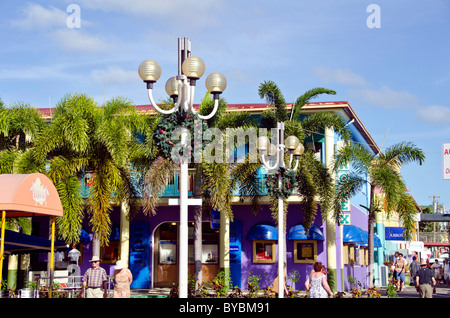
(247, 245)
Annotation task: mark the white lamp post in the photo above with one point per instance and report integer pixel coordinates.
(295, 149)
(181, 88)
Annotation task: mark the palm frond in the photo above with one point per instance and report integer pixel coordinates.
(69, 226)
(155, 181)
(402, 153)
(246, 181)
(318, 122)
(273, 95)
(217, 186)
(306, 98)
(407, 210)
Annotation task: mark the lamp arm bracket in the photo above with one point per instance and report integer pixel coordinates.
(162, 111)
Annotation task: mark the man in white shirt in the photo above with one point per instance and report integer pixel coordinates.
(74, 255)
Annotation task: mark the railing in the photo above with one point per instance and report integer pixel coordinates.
(172, 189)
(435, 237)
(71, 284)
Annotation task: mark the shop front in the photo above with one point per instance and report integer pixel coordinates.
(166, 251)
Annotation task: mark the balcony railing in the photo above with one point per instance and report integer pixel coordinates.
(172, 189)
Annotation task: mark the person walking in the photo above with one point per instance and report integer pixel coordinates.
(400, 270)
(425, 281)
(445, 269)
(316, 283)
(413, 268)
(123, 279)
(95, 280)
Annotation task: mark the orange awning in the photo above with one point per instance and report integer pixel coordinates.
(29, 195)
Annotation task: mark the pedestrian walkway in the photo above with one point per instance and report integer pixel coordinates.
(411, 292)
(408, 292)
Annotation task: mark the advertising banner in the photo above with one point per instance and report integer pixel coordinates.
(446, 160)
(393, 233)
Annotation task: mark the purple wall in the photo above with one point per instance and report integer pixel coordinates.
(267, 272)
(359, 272)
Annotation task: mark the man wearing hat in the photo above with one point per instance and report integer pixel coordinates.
(95, 279)
(425, 281)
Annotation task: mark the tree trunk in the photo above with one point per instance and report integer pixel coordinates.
(198, 247)
(370, 229)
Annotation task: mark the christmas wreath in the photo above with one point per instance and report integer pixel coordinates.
(289, 182)
(168, 124)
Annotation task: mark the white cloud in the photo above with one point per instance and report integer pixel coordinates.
(114, 74)
(27, 72)
(434, 114)
(77, 40)
(36, 16)
(385, 97)
(188, 13)
(340, 76)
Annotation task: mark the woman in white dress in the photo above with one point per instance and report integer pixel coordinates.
(316, 283)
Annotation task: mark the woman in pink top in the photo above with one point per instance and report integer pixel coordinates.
(123, 279)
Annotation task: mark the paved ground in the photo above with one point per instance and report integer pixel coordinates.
(408, 292)
(411, 292)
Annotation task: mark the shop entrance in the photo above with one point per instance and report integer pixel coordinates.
(166, 253)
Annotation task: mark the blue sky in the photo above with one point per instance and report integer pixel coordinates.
(395, 76)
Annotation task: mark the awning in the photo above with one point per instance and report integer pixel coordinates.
(263, 231)
(297, 232)
(29, 195)
(19, 243)
(356, 235)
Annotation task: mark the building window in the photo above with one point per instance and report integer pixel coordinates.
(350, 254)
(305, 251)
(264, 251)
(364, 253)
(110, 253)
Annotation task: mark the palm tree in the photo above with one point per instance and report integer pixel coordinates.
(216, 177)
(379, 172)
(19, 126)
(314, 180)
(84, 137)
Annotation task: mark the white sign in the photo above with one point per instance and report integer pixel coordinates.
(40, 192)
(345, 219)
(343, 177)
(446, 160)
(345, 206)
(416, 246)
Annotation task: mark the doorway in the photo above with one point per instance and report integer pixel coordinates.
(166, 251)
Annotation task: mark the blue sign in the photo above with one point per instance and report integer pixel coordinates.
(393, 233)
(140, 255)
(235, 253)
(215, 219)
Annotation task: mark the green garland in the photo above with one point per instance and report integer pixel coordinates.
(289, 181)
(168, 123)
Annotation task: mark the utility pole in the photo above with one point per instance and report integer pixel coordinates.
(434, 212)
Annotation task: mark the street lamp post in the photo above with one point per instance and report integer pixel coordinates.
(296, 149)
(181, 88)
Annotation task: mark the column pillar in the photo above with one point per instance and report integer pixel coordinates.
(330, 222)
(124, 232)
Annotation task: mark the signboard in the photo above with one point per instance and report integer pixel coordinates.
(416, 246)
(215, 219)
(345, 219)
(446, 160)
(393, 233)
(345, 206)
(343, 177)
(235, 252)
